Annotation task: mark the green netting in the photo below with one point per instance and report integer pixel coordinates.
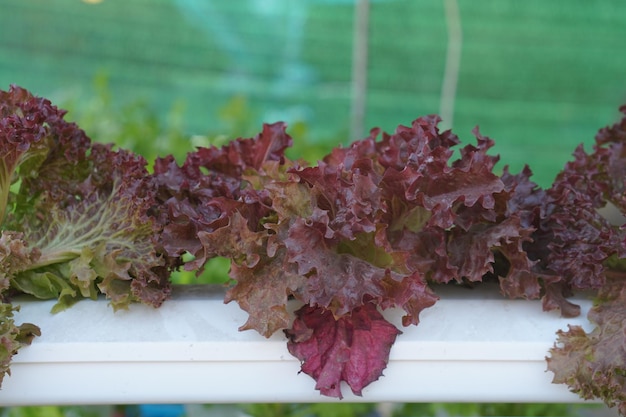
(539, 77)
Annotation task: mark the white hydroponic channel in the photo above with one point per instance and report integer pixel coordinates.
(472, 346)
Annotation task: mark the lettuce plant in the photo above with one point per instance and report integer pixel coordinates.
(589, 252)
(379, 224)
(74, 215)
(371, 227)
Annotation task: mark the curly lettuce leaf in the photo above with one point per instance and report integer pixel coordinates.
(12, 337)
(200, 195)
(345, 277)
(432, 216)
(24, 138)
(101, 241)
(573, 243)
(218, 204)
(77, 214)
(13, 254)
(264, 280)
(583, 239)
(593, 364)
(353, 348)
(335, 243)
(589, 251)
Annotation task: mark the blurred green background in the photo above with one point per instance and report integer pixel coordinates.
(315, 410)
(163, 76)
(539, 77)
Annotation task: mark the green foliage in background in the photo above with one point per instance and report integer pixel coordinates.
(420, 410)
(323, 410)
(136, 126)
(58, 411)
(491, 409)
(309, 410)
(133, 125)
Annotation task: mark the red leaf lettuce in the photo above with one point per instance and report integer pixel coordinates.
(375, 225)
(75, 213)
(588, 250)
(368, 228)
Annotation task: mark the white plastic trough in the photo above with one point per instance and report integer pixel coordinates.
(472, 346)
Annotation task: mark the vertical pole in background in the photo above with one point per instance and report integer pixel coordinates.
(453, 62)
(359, 68)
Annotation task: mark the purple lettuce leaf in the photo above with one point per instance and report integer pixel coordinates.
(588, 250)
(200, 195)
(354, 348)
(593, 364)
(218, 204)
(573, 243)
